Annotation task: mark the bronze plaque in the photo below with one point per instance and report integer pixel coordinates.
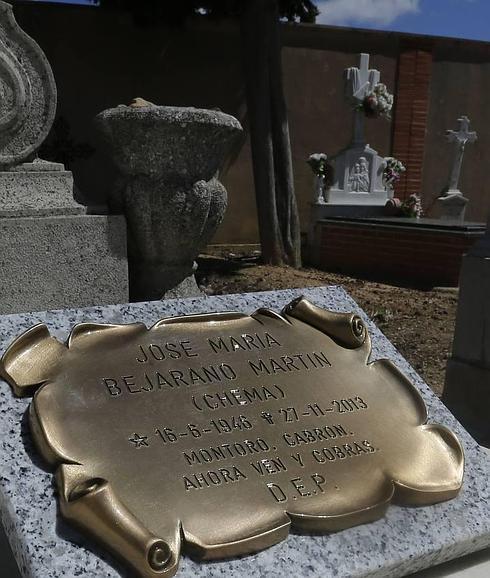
(218, 432)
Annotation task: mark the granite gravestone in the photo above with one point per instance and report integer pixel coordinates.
(452, 204)
(227, 414)
(53, 254)
(390, 546)
(467, 387)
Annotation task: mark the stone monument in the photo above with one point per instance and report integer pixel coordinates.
(168, 158)
(452, 204)
(467, 389)
(358, 173)
(53, 254)
(44, 546)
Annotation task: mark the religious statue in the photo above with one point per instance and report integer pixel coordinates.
(359, 177)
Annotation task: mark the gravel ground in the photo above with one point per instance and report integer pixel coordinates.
(419, 323)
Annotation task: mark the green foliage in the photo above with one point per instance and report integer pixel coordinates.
(176, 13)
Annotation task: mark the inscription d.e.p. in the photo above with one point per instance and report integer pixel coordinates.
(182, 432)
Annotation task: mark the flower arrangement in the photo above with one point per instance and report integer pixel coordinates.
(378, 102)
(393, 168)
(320, 167)
(412, 207)
(318, 164)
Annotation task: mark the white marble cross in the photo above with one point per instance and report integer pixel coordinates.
(362, 80)
(459, 137)
(358, 83)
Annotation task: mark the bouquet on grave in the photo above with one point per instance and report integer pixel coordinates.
(318, 164)
(378, 102)
(412, 207)
(393, 168)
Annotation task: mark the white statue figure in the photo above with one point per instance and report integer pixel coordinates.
(359, 176)
(363, 175)
(354, 178)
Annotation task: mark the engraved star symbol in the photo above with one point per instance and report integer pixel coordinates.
(139, 441)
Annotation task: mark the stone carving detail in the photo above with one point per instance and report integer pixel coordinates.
(358, 83)
(459, 137)
(27, 93)
(452, 204)
(358, 169)
(359, 176)
(168, 158)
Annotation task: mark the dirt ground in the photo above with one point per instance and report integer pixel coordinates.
(419, 323)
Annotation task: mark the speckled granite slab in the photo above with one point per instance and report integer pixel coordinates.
(406, 540)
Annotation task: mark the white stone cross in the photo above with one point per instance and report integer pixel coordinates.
(362, 80)
(358, 83)
(459, 137)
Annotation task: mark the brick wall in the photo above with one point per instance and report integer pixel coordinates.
(414, 255)
(410, 117)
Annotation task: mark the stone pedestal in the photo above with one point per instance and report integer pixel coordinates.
(38, 188)
(467, 389)
(168, 159)
(53, 262)
(451, 206)
(52, 254)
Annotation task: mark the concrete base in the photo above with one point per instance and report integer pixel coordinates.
(322, 211)
(62, 261)
(451, 206)
(467, 395)
(378, 248)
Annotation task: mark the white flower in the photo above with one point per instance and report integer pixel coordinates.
(317, 157)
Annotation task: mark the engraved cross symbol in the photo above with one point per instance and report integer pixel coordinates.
(459, 137)
(139, 441)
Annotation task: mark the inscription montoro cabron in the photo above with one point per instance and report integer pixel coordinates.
(273, 413)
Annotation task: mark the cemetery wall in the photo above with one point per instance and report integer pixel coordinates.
(101, 59)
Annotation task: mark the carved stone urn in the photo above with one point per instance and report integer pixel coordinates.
(168, 158)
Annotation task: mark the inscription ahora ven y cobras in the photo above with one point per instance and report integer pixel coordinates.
(222, 463)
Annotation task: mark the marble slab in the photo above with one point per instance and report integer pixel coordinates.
(404, 541)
